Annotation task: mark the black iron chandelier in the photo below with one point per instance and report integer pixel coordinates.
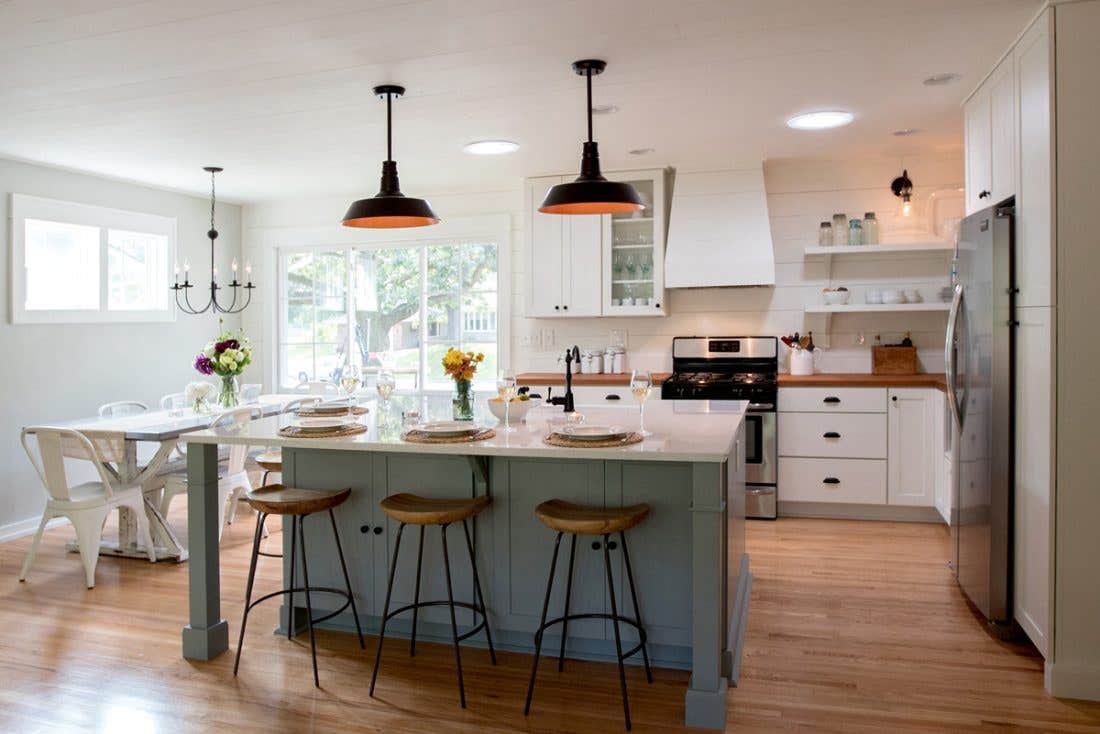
(184, 303)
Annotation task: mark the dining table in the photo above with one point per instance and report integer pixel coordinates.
(162, 431)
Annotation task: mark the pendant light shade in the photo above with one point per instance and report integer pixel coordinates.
(389, 208)
(591, 193)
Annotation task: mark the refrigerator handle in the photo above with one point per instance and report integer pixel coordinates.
(950, 355)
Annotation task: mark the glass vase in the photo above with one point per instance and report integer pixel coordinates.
(230, 395)
(462, 403)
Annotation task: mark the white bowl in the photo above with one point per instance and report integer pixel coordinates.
(873, 297)
(893, 296)
(836, 297)
(517, 411)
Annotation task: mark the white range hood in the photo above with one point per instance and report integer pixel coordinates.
(718, 231)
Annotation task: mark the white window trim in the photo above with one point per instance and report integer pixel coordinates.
(495, 228)
(25, 207)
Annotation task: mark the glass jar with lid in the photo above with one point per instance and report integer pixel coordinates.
(870, 229)
(855, 232)
(840, 229)
(825, 235)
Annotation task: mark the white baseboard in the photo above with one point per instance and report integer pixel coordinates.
(19, 529)
(846, 511)
(1067, 680)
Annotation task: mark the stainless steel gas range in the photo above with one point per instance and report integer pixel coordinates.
(736, 368)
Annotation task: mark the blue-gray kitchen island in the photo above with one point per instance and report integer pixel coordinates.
(688, 557)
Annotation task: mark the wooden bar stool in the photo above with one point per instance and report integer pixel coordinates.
(276, 499)
(409, 509)
(566, 517)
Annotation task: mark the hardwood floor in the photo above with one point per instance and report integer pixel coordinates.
(854, 627)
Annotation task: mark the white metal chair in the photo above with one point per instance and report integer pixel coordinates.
(233, 478)
(317, 387)
(270, 458)
(250, 393)
(122, 408)
(86, 505)
(166, 401)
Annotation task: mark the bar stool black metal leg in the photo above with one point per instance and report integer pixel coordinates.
(568, 598)
(263, 482)
(386, 609)
(480, 596)
(309, 604)
(416, 594)
(293, 559)
(248, 590)
(347, 581)
(542, 622)
(454, 621)
(634, 598)
(615, 625)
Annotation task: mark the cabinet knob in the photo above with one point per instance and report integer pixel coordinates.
(564, 308)
(830, 480)
(364, 528)
(984, 194)
(612, 545)
(894, 398)
(378, 530)
(557, 308)
(595, 545)
(830, 434)
(656, 305)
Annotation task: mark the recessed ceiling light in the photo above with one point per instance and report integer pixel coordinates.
(491, 147)
(820, 120)
(906, 131)
(641, 151)
(604, 109)
(937, 80)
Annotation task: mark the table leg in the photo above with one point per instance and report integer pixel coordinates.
(207, 634)
(705, 700)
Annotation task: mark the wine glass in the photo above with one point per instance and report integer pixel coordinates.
(506, 390)
(631, 267)
(385, 385)
(350, 380)
(641, 384)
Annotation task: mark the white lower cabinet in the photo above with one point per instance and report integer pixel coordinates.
(867, 446)
(911, 457)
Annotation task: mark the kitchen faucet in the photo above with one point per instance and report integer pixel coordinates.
(573, 354)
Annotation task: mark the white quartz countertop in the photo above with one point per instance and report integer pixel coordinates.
(689, 430)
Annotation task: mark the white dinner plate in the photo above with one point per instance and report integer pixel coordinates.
(323, 409)
(323, 424)
(448, 428)
(592, 432)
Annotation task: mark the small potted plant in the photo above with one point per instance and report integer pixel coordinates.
(461, 367)
(226, 357)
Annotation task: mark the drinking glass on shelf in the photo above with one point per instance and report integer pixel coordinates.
(641, 384)
(631, 267)
(385, 385)
(617, 266)
(350, 380)
(506, 390)
(647, 268)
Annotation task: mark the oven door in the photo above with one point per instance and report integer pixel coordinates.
(761, 452)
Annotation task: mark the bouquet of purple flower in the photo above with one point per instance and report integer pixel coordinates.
(226, 356)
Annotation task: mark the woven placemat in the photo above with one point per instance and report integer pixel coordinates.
(356, 410)
(555, 439)
(296, 432)
(415, 436)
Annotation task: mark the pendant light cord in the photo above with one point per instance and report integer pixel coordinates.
(212, 199)
(389, 126)
(588, 77)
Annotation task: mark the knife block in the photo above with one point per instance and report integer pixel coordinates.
(893, 360)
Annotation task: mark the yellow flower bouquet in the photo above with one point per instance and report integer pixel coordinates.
(461, 367)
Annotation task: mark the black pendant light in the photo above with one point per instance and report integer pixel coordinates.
(389, 208)
(591, 193)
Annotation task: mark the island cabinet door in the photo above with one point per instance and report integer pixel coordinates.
(522, 548)
(660, 548)
(449, 477)
(355, 519)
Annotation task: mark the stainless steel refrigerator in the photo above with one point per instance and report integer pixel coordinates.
(980, 354)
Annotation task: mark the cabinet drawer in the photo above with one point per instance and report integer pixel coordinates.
(832, 399)
(860, 481)
(844, 435)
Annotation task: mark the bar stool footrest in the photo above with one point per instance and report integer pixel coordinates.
(465, 605)
(312, 590)
(609, 617)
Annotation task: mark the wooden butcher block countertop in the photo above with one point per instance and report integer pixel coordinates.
(861, 379)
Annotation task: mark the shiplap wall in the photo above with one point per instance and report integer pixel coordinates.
(801, 194)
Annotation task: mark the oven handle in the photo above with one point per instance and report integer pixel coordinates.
(761, 407)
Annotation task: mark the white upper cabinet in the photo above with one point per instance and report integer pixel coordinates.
(1035, 200)
(563, 258)
(634, 251)
(911, 447)
(979, 173)
(597, 265)
(1002, 131)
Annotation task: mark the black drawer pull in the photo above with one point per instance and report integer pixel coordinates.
(830, 480)
(830, 434)
(831, 399)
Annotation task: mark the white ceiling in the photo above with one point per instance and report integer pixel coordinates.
(279, 92)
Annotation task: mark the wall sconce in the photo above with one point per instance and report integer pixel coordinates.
(902, 187)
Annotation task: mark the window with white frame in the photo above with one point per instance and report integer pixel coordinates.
(81, 263)
(392, 307)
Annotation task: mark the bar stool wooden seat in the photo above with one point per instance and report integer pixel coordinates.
(410, 509)
(271, 462)
(566, 517)
(277, 499)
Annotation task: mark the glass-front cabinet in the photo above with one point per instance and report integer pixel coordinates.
(634, 251)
